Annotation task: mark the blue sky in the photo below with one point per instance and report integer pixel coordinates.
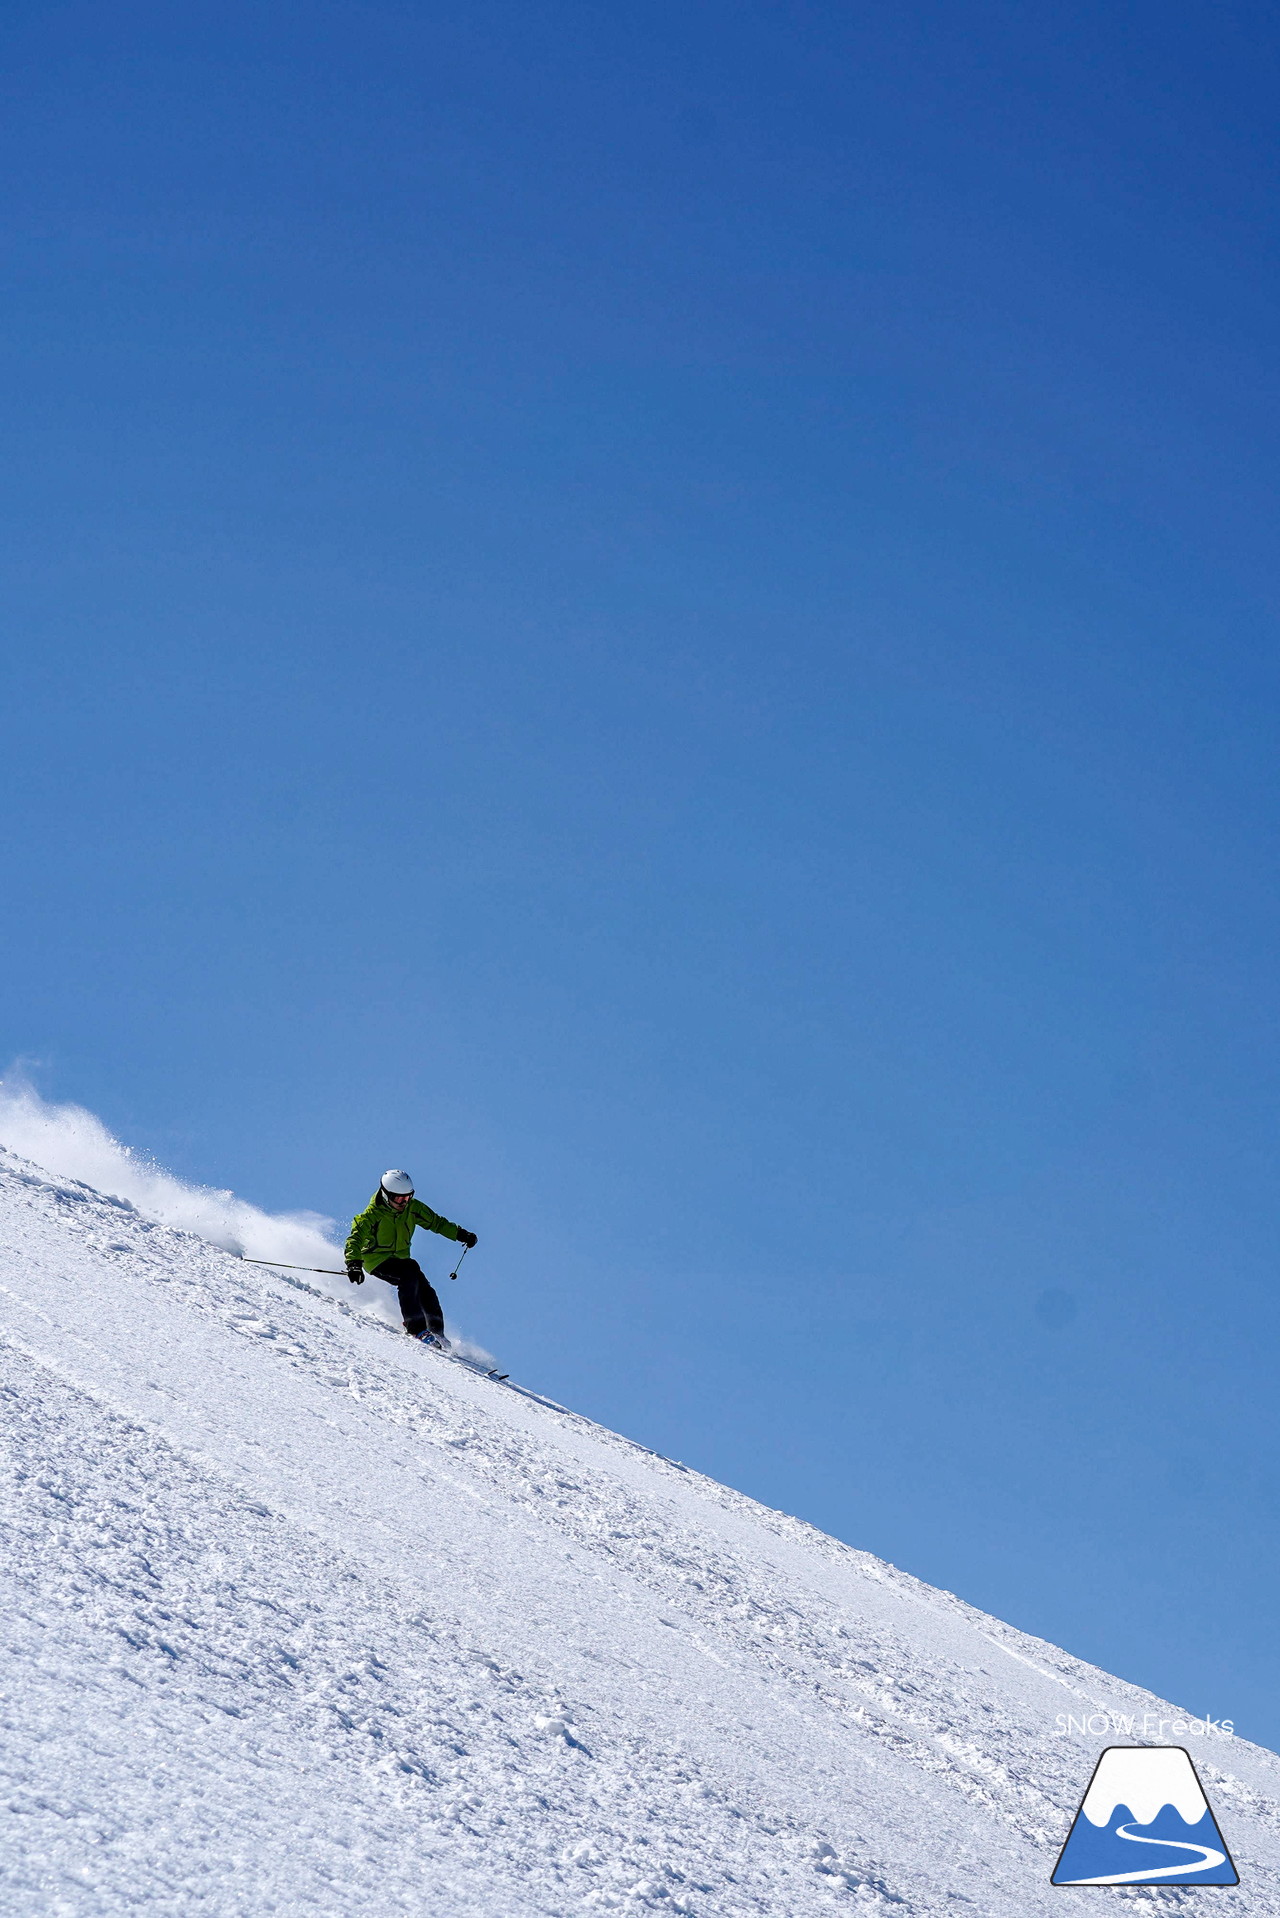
(668, 616)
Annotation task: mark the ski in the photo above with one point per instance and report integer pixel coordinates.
(473, 1365)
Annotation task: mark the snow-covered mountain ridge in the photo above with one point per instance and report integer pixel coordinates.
(301, 1618)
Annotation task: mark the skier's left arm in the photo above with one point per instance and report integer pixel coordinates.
(423, 1215)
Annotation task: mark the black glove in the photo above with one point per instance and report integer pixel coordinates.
(355, 1272)
(468, 1238)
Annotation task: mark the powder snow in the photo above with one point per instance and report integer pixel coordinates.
(300, 1617)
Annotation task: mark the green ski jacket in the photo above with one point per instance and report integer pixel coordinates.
(378, 1233)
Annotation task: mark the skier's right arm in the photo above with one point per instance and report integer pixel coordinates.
(360, 1238)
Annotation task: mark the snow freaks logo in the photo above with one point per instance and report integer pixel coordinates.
(1130, 1725)
(1145, 1821)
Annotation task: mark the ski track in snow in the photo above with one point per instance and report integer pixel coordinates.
(301, 1618)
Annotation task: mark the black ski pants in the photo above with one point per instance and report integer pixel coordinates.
(419, 1306)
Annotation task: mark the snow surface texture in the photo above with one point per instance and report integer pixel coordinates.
(300, 1617)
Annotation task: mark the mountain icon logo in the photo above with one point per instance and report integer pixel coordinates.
(1145, 1821)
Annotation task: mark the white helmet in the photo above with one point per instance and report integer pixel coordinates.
(397, 1184)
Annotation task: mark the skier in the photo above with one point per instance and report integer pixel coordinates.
(378, 1243)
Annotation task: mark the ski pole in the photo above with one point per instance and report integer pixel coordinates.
(461, 1256)
(280, 1266)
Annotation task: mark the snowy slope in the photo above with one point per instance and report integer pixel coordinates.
(301, 1618)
